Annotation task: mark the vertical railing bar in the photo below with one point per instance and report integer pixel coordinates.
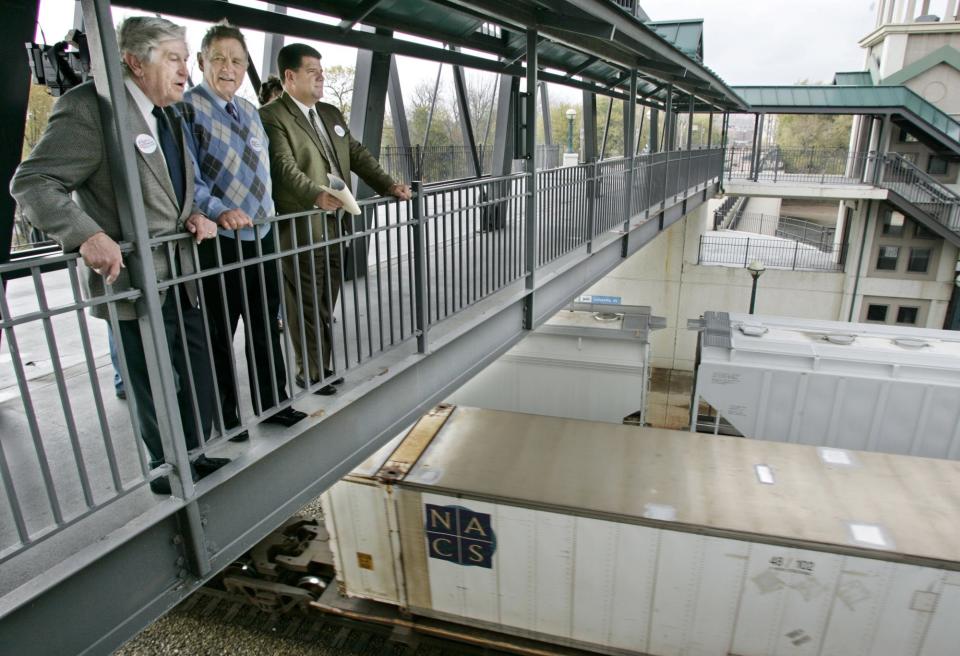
(269, 325)
(207, 322)
(358, 266)
(420, 267)
(191, 384)
(94, 381)
(377, 235)
(62, 386)
(132, 403)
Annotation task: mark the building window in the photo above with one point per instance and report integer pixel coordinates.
(876, 312)
(893, 223)
(936, 165)
(887, 259)
(907, 315)
(923, 232)
(919, 261)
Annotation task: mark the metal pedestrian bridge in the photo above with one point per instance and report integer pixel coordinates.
(434, 289)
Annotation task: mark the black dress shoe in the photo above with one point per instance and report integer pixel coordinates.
(206, 465)
(231, 421)
(326, 390)
(122, 394)
(160, 485)
(285, 417)
(329, 373)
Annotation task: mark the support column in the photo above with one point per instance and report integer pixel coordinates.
(367, 107)
(368, 104)
(271, 46)
(545, 113)
(529, 314)
(654, 131)
(503, 136)
(668, 120)
(589, 144)
(18, 27)
(466, 122)
(710, 130)
(104, 58)
(629, 121)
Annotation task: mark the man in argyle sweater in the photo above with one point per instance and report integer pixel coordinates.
(233, 188)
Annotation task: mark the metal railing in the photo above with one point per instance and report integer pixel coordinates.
(816, 165)
(903, 177)
(787, 227)
(69, 448)
(774, 253)
(451, 162)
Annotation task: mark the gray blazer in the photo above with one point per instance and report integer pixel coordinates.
(65, 188)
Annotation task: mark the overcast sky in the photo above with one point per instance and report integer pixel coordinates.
(745, 41)
(776, 41)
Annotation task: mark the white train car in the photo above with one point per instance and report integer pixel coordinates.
(625, 540)
(850, 386)
(589, 362)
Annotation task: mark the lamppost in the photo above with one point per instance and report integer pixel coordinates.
(571, 114)
(756, 269)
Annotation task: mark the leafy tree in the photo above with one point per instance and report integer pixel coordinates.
(809, 131)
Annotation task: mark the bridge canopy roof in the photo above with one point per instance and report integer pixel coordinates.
(597, 42)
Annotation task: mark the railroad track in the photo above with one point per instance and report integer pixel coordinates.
(314, 628)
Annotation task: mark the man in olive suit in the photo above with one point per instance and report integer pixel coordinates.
(309, 140)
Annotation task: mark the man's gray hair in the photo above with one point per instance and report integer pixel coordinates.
(141, 35)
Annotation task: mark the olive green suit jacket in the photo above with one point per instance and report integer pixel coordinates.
(297, 164)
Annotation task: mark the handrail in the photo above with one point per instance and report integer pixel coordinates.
(899, 160)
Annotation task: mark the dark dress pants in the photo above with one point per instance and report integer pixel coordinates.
(312, 282)
(196, 410)
(225, 307)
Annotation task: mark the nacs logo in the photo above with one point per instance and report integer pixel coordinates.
(459, 535)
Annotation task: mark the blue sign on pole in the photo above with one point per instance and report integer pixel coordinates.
(459, 535)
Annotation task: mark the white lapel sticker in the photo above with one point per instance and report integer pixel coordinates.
(256, 144)
(146, 143)
(339, 130)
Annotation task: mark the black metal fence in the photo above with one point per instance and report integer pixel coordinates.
(69, 448)
(774, 253)
(431, 164)
(817, 165)
(787, 227)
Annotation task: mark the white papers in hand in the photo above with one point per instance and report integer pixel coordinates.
(339, 190)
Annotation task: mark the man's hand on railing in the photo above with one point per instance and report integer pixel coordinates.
(327, 201)
(400, 191)
(103, 255)
(201, 227)
(234, 219)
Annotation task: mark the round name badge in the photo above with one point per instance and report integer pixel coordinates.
(339, 130)
(146, 144)
(256, 144)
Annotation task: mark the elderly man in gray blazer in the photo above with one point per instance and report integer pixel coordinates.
(65, 188)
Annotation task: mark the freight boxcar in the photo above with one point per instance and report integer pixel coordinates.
(625, 540)
(850, 386)
(591, 361)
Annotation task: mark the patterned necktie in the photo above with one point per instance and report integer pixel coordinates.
(171, 153)
(326, 146)
(232, 111)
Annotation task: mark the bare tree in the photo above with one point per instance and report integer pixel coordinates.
(338, 87)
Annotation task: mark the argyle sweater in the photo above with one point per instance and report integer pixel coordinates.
(232, 160)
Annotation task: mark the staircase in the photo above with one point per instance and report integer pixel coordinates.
(920, 196)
